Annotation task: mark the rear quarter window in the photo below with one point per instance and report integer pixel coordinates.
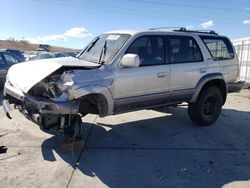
(219, 47)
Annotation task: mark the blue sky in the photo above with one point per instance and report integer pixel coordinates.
(73, 23)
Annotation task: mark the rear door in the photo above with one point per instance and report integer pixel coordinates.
(187, 66)
(148, 84)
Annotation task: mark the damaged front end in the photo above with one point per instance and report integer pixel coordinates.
(48, 103)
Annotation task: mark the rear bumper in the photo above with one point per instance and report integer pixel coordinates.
(235, 86)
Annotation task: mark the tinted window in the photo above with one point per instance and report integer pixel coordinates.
(183, 49)
(2, 62)
(150, 49)
(10, 59)
(45, 56)
(219, 48)
(60, 55)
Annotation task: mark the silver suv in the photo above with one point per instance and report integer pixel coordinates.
(122, 71)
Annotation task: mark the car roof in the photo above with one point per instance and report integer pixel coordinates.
(1, 51)
(10, 49)
(163, 31)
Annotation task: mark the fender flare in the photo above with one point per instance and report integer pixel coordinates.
(205, 79)
(95, 89)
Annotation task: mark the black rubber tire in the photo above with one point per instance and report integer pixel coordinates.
(207, 108)
(192, 112)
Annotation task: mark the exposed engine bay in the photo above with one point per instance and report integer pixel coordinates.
(52, 93)
(47, 88)
(49, 104)
(53, 85)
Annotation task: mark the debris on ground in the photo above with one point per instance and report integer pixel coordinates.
(3, 149)
(1, 135)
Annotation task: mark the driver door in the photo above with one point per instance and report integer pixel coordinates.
(146, 85)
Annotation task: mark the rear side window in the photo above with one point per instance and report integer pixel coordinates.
(219, 47)
(183, 49)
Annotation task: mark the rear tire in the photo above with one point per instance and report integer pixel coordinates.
(207, 108)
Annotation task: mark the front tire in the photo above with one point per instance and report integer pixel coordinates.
(207, 108)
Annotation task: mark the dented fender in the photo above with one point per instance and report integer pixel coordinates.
(86, 90)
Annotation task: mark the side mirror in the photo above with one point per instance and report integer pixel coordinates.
(130, 60)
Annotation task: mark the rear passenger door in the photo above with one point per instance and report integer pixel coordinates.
(187, 66)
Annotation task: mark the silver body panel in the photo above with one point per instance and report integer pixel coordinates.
(127, 89)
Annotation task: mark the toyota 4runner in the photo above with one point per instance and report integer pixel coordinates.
(122, 71)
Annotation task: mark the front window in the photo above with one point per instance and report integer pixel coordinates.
(150, 50)
(103, 48)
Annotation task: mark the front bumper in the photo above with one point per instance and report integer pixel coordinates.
(11, 95)
(6, 108)
(235, 86)
(32, 105)
(46, 106)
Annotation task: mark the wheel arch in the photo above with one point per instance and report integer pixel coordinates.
(98, 96)
(214, 79)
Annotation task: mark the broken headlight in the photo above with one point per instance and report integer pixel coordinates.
(54, 87)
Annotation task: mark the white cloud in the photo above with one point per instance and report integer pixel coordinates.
(79, 32)
(248, 8)
(189, 27)
(246, 22)
(46, 38)
(207, 25)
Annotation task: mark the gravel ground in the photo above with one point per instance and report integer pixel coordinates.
(147, 148)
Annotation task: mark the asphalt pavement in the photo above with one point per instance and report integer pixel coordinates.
(146, 148)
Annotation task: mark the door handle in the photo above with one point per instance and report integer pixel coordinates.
(203, 70)
(161, 74)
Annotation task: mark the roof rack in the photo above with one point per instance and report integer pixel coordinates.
(183, 29)
(167, 28)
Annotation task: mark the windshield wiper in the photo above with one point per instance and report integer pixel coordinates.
(88, 48)
(103, 54)
(92, 44)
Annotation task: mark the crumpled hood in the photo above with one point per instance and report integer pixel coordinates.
(25, 75)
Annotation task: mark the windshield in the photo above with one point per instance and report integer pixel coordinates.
(112, 44)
